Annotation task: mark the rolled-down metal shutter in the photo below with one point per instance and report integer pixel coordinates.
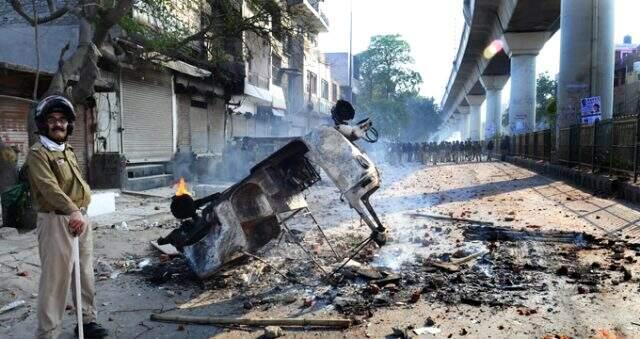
(216, 126)
(13, 125)
(239, 126)
(147, 116)
(199, 130)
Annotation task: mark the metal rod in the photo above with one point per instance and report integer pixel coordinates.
(270, 265)
(635, 149)
(311, 256)
(593, 147)
(323, 234)
(290, 216)
(78, 285)
(356, 250)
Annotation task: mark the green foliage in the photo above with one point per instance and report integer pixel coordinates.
(384, 69)
(389, 91)
(545, 97)
(202, 29)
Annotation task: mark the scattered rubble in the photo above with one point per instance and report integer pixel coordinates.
(427, 330)
(484, 266)
(271, 332)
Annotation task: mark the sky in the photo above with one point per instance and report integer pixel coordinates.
(433, 29)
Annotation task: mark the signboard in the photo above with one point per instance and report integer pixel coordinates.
(590, 110)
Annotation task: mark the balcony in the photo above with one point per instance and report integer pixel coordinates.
(309, 11)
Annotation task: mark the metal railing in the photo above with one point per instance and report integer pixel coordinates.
(536, 145)
(607, 146)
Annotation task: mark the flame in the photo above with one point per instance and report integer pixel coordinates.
(181, 188)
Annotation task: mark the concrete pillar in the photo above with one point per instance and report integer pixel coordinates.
(493, 85)
(464, 121)
(475, 118)
(459, 128)
(523, 48)
(586, 57)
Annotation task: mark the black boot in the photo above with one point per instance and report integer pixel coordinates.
(93, 330)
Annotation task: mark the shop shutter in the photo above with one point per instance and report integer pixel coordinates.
(199, 130)
(147, 116)
(13, 125)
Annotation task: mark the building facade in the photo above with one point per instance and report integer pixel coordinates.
(627, 79)
(153, 121)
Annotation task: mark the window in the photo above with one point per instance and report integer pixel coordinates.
(325, 89)
(312, 83)
(334, 92)
(276, 74)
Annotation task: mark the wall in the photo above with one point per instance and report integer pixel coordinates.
(108, 121)
(316, 64)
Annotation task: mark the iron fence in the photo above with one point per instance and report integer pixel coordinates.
(606, 146)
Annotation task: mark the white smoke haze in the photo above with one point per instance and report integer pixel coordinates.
(412, 239)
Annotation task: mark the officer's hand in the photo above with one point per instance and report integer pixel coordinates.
(77, 223)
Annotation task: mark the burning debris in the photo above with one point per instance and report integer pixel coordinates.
(254, 211)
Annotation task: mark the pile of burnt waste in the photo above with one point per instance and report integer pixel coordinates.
(506, 267)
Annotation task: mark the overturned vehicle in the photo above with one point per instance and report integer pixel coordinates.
(251, 213)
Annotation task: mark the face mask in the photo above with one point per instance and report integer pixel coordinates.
(51, 145)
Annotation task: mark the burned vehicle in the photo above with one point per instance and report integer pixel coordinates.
(249, 214)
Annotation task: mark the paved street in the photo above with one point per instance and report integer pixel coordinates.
(489, 192)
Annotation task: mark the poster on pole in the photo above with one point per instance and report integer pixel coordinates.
(590, 110)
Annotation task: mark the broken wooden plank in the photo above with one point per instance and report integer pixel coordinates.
(444, 265)
(391, 279)
(499, 233)
(360, 269)
(337, 323)
(448, 218)
(455, 265)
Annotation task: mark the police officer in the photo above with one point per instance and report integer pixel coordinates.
(61, 197)
(490, 146)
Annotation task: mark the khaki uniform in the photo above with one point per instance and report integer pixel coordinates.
(58, 190)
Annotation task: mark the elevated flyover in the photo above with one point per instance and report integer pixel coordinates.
(501, 39)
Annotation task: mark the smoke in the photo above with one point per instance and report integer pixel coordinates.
(413, 239)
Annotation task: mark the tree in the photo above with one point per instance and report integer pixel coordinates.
(545, 96)
(389, 90)
(384, 69)
(123, 32)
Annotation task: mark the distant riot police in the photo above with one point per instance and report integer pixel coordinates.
(425, 153)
